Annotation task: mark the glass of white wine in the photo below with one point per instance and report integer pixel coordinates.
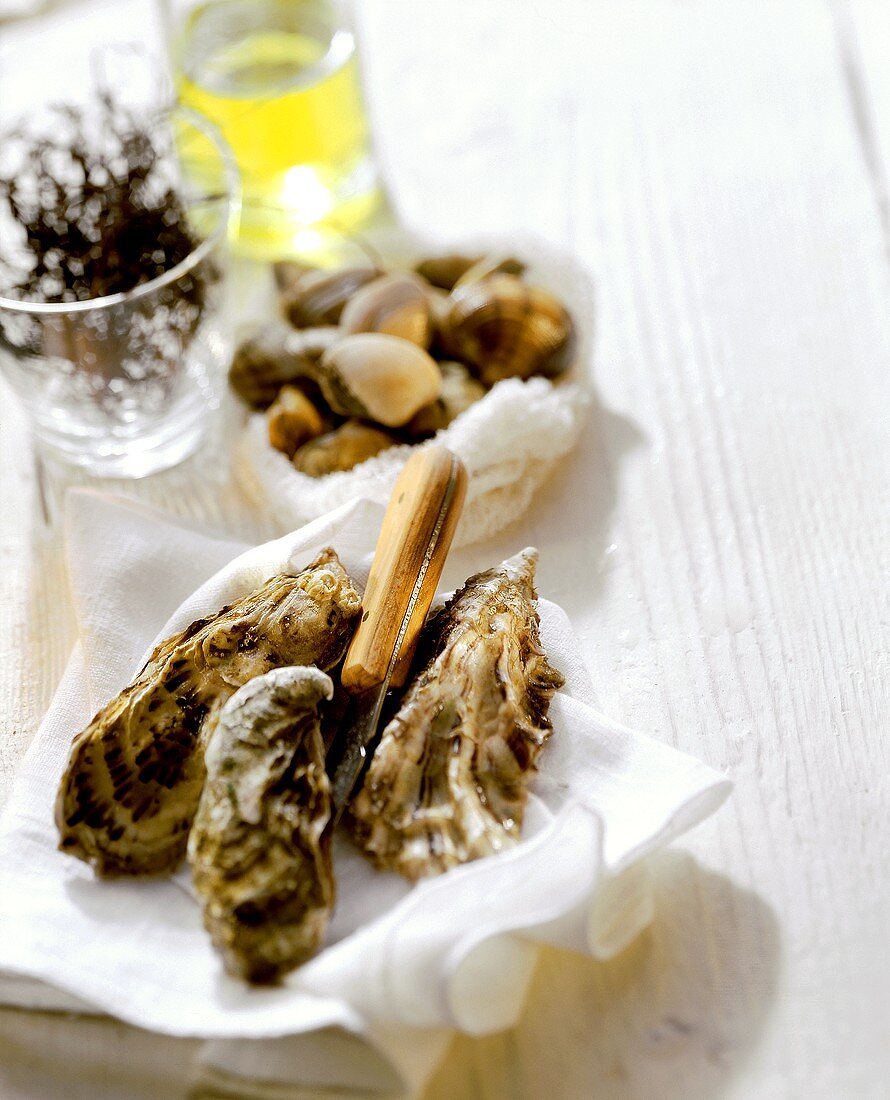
(280, 79)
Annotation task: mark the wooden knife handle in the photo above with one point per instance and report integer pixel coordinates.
(414, 540)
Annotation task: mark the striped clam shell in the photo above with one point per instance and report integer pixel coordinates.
(504, 328)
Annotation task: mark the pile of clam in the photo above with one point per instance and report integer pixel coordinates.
(367, 359)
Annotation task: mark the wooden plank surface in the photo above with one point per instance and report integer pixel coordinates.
(721, 536)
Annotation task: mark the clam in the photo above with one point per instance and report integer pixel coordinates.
(444, 271)
(289, 272)
(341, 449)
(292, 420)
(378, 377)
(274, 354)
(439, 303)
(503, 328)
(318, 297)
(492, 264)
(395, 304)
(459, 390)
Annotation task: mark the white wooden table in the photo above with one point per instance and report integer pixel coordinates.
(721, 536)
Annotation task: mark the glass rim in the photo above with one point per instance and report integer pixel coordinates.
(340, 49)
(188, 263)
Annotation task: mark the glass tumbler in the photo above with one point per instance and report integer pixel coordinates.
(125, 385)
(280, 78)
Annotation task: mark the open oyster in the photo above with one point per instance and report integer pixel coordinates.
(448, 782)
(134, 775)
(260, 856)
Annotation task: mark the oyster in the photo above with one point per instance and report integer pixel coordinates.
(448, 782)
(259, 852)
(134, 775)
(341, 449)
(274, 355)
(504, 328)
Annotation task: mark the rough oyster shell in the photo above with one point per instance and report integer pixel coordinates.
(134, 775)
(448, 782)
(260, 856)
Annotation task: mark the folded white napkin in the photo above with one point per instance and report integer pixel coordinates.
(403, 966)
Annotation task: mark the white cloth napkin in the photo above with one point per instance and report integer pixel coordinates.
(403, 967)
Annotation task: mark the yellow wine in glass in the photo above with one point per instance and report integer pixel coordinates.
(280, 79)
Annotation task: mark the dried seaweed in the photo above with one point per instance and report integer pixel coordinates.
(95, 207)
(90, 207)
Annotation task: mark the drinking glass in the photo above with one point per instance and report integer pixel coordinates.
(280, 79)
(125, 385)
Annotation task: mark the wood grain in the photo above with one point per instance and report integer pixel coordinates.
(414, 541)
(721, 538)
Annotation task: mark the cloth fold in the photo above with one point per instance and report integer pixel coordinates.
(403, 966)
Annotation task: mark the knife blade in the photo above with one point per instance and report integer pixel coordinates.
(414, 540)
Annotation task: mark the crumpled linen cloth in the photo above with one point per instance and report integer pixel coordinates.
(510, 441)
(403, 967)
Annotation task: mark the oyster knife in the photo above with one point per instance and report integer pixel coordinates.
(414, 541)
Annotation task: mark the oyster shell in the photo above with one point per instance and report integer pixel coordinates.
(448, 782)
(274, 355)
(259, 853)
(134, 775)
(341, 449)
(504, 328)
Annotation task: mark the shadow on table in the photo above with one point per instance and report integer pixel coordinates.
(675, 1016)
(56, 1056)
(569, 517)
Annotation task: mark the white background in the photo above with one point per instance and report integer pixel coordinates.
(720, 537)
